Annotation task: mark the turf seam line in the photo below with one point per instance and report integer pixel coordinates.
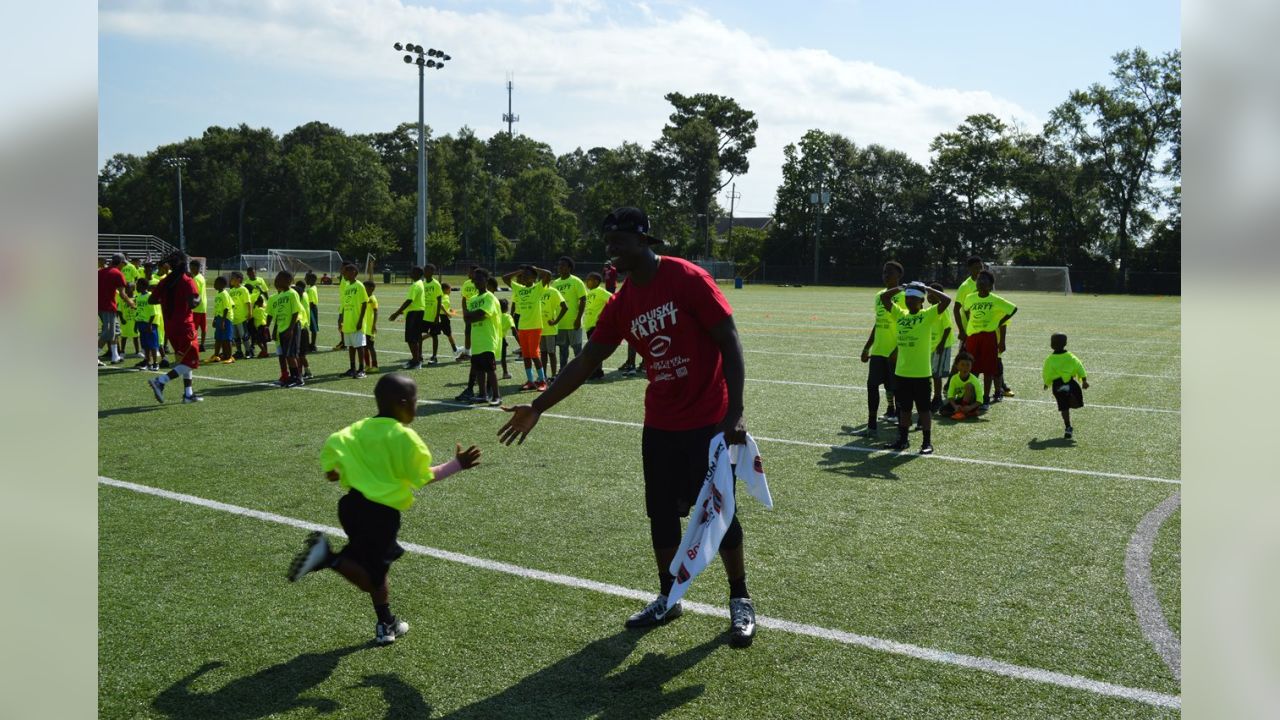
(781, 441)
(988, 665)
(1142, 591)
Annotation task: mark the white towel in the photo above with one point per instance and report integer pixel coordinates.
(712, 513)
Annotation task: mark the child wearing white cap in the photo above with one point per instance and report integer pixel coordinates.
(914, 369)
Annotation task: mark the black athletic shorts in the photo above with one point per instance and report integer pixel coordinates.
(414, 327)
(913, 390)
(1068, 394)
(482, 362)
(371, 531)
(675, 466)
(442, 326)
(881, 373)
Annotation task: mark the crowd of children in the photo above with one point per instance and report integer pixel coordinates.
(909, 349)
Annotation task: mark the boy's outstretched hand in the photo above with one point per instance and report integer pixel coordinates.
(523, 418)
(468, 458)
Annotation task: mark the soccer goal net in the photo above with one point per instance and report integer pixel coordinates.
(1032, 277)
(300, 262)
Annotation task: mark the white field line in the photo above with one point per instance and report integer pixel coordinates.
(988, 665)
(781, 441)
(1142, 591)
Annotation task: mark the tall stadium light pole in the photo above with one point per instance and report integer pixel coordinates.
(423, 58)
(819, 200)
(179, 162)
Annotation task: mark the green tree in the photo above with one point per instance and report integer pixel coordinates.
(973, 165)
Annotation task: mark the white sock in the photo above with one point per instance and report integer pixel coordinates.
(188, 391)
(115, 353)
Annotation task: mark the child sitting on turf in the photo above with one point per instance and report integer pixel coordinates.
(370, 327)
(1061, 369)
(380, 461)
(964, 390)
(221, 322)
(305, 323)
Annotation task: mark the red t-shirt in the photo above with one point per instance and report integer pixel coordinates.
(110, 280)
(175, 295)
(668, 321)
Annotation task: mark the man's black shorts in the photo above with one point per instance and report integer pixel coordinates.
(414, 327)
(675, 466)
(913, 390)
(1069, 395)
(881, 373)
(482, 362)
(371, 531)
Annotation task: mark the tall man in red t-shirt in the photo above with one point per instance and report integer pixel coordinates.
(110, 282)
(671, 311)
(176, 295)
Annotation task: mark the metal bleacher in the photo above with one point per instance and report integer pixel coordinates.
(147, 247)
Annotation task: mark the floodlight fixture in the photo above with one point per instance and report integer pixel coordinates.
(398, 46)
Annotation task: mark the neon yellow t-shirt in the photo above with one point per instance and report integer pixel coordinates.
(200, 286)
(955, 387)
(967, 288)
(942, 325)
(914, 350)
(431, 292)
(1062, 366)
(131, 272)
(596, 299)
(239, 303)
(486, 334)
(157, 317)
(508, 322)
(381, 458)
(259, 316)
(550, 309)
(572, 289)
(128, 321)
(886, 338)
(259, 284)
(313, 295)
(354, 297)
(281, 307)
(222, 304)
(528, 303)
(469, 291)
(371, 314)
(417, 297)
(146, 311)
(446, 306)
(304, 317)
(985, 312)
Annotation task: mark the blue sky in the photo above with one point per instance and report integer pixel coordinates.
(590, 72)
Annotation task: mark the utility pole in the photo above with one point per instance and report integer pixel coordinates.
(733, 195)
(428, 58)
(819, 200)
(508, 117)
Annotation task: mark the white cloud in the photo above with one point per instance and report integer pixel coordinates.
(600, 71)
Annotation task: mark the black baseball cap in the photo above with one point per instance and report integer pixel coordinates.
(629, 219)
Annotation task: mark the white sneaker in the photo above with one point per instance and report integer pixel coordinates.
(386, 633)
(157, 388)
(314, 551)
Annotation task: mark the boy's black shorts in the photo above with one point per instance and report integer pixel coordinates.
(371, 531)
(913, 390)
(1069, 395)
(675, 466)
(880, 373)
(482, 362)
(414, 327)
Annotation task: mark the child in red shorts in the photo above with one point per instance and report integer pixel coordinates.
(987, 312)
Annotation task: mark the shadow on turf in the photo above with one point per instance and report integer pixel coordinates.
(129, 410)
(273, 690)
(862, 464)
(586, 684)
(1058, 442)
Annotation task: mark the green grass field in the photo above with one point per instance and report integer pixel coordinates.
(1007, 547)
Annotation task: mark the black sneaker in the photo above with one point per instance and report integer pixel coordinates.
(359, 374)
(306, 374)
(193, 398)
(937, 403)
(164, 363)
(386, 633)
(495, 402)
(891, 415)
(655, 613)
(433, 361)
(869, 431)
(1069, 432)
(464, 396)
(898, 446)
(926, 449)
(349, 373)
(742, 622)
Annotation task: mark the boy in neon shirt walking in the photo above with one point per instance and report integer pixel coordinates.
(1061, 369)
(379, 461)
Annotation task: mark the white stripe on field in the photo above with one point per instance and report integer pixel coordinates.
(988, 665)
(781, 441)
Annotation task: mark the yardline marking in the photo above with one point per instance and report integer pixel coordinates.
(945, 657)
(1142, 591)
(781, 441)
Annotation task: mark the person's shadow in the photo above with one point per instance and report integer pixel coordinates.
(1058, 442)
(584, 685)
(860, 463)
(403, 700)
(273, 690)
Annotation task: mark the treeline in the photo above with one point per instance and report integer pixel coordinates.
(1098, 188)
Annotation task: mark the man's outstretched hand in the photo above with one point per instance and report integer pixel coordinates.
(523, 419)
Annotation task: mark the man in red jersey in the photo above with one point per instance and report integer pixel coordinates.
(177, 294)
(671, 311)
(110, 282)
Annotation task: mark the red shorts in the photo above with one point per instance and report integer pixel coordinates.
(529, 343)
(183, 341)
(983, 347)
(199, 321)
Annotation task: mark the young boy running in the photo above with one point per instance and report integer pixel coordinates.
(370, 327)
(313, 297)
(483, 316)
(284, 313)
(595, 301)
(987, 312)
(379, 461)
(1061, 369)
(915, 327)
(528, 286)
(964, 390)
(355, 303)
(881, 347)
(221, 322)
(304, 328)
(941, 339)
